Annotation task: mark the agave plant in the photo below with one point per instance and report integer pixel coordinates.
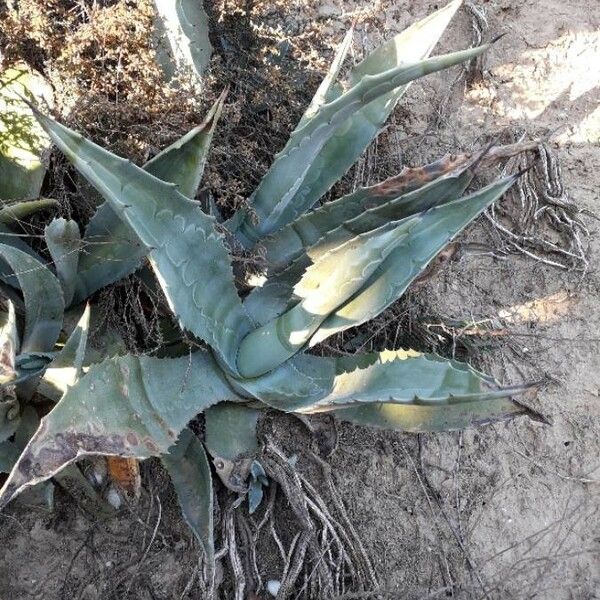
(49, 297)
(329, 269)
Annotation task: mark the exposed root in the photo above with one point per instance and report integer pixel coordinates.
(326, 553)
(319, 556)
(548, 227)
(237, 568)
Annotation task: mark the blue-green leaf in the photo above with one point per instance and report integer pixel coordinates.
(409, 391)
(413, 190)
(187, 253)
(390, 280)
(112, 248)
(66, 367)
(188, 468)
(13, 213)
(336, 274)
(64, 244)
(42, 293)
(231, 440)
(325, 146)
(127, 406)
(302, 380)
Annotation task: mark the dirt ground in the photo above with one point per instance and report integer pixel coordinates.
(507, 511)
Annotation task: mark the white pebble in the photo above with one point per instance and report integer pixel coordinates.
(273, 587)
(114, 498)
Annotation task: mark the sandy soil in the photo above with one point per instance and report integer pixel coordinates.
(508, 511)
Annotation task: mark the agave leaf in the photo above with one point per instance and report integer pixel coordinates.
(258, 480)
(380, 213)
(70, 478)
(411, 45)
(301, 241)
(185, 25)
(187, 253)
(60, 369)
(13, 213)
(22, 140)
(9, 346)
(189, 470)
(437, 228)
(10, 238)
(335, 276)
(269, 301)
(64, 243)
(67, 367)
(9, 454)
(231, 440)
(396, 198)
(183, 162)
(44, 304)
(26, 425)
(302, 380)
(314, 159)
(345, 146)
(113, 250)
(29, 365)
(409, 391)
(328, 90)
(126, 406)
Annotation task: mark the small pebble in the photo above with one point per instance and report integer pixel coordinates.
(114, 498)
(273, 587)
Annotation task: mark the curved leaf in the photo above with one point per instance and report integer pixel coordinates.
(437, 228)
(110, 252)
(328, 89)
(325, 285)
(304, 240)
(10, 238)
(187, 253)
(9, 454)
(126, 406)
(300, 381)
(189, 471)
(231, 440)
(183, 162)
(44, 304)
(325, 146)
(299, 243)
(67, 367)
(13, 213)
(346, 145)
(64, 243)
(30, 365)
(408, 391)
(22, 140)
(413, 190)
(113, 250)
